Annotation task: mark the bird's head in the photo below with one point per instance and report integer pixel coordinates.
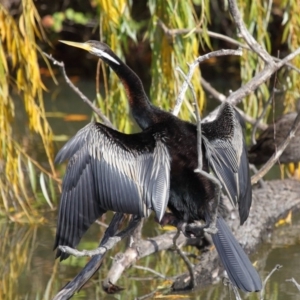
(96, 48)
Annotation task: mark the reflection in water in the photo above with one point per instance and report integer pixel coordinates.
(24, 271)
(29, 271)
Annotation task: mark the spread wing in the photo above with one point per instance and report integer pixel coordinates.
(227, 155)
(109, 170)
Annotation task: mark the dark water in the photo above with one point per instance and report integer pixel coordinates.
(29, 271)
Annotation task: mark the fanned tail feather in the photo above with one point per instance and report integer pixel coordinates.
(237, 264)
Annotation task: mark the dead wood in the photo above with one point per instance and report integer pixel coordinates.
(277, 198)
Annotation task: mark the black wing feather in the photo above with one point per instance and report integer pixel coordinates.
(109, 170)
(227, 156)
(237, 264)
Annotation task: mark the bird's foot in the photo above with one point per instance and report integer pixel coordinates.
(211, 229)
(198, 230)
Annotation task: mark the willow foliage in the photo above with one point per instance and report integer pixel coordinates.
(22, 179)
(20, 75)
(257, 16)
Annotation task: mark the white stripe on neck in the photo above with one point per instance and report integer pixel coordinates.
(102, 53)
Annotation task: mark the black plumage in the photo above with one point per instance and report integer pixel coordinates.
(109, 170)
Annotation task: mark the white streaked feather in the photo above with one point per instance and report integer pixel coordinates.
(133, 166)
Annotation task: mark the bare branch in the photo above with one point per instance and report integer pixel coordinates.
(259, 78)
(253, 44)
(221, 97)
(295, 282)
(192, 68)
(185, 259)
(98, 112)
(174, 32)
(262, 292)
(93, 265)
(110, 243)
(151, 271)
(268, 165)
(144, 248)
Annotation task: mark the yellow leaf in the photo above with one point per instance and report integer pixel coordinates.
(287, 220)
(75, 117)
(168, 227)
(161, 296)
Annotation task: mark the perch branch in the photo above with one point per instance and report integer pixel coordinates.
(145, 248)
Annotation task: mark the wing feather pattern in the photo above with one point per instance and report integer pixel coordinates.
(227, 155)
(109, 170)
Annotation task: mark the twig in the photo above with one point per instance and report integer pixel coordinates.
(258, 79)
(185, 259)
(236, 292)
(192, 68)
(105, 120)
(199, 137)
(273, 159)
(252, 43)
(221, 97)
(262, 292)
(101, 223)
(111, 241)
(150, 270)
(174, 32)
(295, 282)
(212, 226)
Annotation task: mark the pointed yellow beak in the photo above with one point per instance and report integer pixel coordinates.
(83, 46)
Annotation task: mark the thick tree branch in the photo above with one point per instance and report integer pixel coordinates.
(267, 207)
(122, 261)
(258, 79)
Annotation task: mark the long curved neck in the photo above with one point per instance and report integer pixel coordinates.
(142, 110)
